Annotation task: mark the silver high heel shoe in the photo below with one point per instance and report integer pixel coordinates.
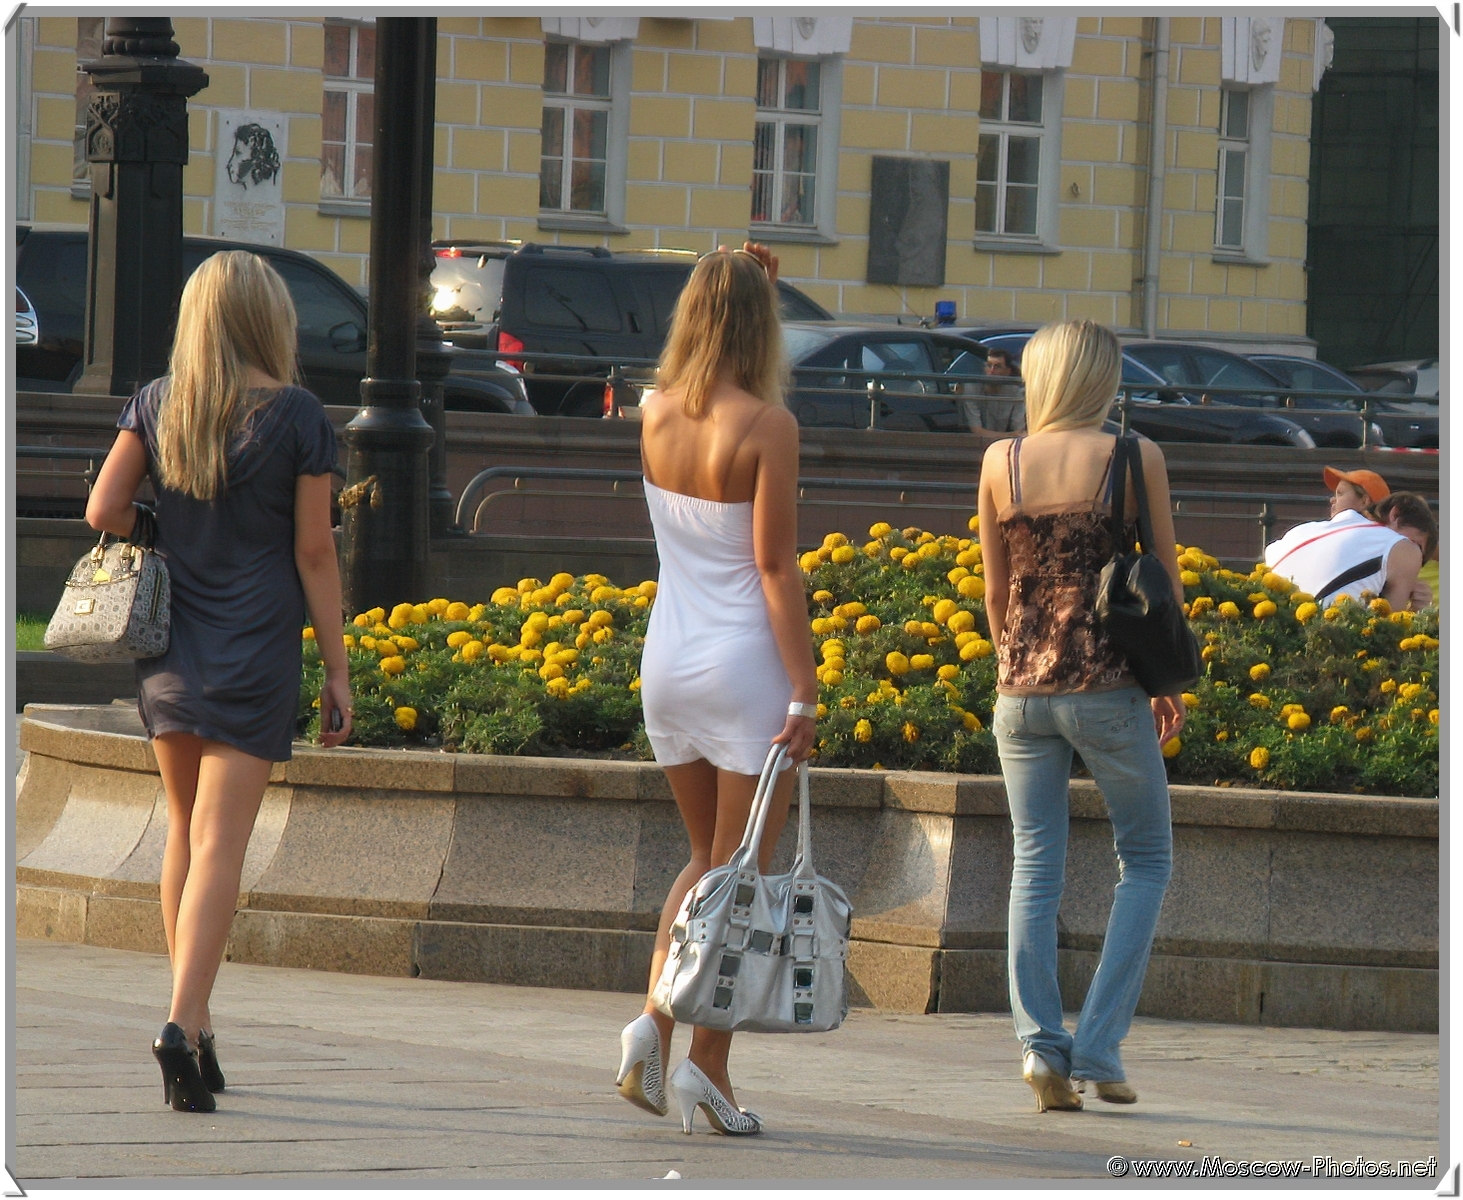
(1053, 1091)
(642, 1079)
(693, 1090)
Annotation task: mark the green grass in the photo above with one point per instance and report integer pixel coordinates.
(30, 630)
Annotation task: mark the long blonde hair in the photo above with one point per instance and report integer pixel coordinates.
(235, 313)
(725, 325)
(1072, 370)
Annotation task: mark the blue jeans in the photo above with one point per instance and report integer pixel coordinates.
(1113, 732)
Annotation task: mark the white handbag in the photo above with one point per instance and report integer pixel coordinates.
(116, 605)
(763, 953)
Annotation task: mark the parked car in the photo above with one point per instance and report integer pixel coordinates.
(27, 329)
(580, 301)
(1409, 377)
(833, 364)
(1168, 414)
(1403, 424)
(51, 268)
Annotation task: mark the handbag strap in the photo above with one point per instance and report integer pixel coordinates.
(761, 806)
(804, 865)
(1128, 455)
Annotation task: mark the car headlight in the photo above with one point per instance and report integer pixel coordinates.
(1303, 439)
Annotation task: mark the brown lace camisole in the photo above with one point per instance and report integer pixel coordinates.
(1053, 642)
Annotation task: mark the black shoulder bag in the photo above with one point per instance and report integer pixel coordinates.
(1135, 600)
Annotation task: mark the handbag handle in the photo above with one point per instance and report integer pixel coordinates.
(803, 867)
(761, 806)
(1128, 455)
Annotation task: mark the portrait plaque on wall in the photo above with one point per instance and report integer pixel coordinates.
(908, 217)
(248, 183)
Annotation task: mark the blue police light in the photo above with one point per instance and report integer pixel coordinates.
(944, 312)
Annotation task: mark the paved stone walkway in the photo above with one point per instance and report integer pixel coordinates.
(339, 1076)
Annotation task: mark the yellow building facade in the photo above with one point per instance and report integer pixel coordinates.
(892, 161)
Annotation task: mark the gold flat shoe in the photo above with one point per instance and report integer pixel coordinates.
(1053, 1091)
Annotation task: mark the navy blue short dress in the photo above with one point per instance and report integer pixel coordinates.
(231, 672)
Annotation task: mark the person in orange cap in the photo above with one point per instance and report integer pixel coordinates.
(1351, 553)
(1354, 490)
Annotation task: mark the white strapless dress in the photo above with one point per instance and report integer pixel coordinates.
(712, 682)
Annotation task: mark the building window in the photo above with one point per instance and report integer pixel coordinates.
(1234, 159)
(576, 128)
(348, 113)
(785, 144)
(1008, 173)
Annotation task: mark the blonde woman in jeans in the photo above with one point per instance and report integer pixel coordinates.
(1062, 686)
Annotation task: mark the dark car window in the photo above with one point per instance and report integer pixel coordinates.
(1166, 361)
(796, 306)
(664, 285)
(319, 307)
(803, 343)
(1310, 376)
(1228, 370)
(563, 298)
(1012, 343)
(55, 281)
(880, 357)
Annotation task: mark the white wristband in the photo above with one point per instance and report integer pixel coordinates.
(802, 710)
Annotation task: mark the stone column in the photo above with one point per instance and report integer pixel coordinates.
(137, 144)
(384, 522)
(434, 358)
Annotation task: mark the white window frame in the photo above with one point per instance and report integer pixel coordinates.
(617, 142)
(1254, 247)
(822, 229)
(348, 202)
(1049, 167)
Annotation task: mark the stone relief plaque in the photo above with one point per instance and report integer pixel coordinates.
(248, 182)
(908, 216)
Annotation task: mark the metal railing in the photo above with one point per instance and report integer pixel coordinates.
(92, 458)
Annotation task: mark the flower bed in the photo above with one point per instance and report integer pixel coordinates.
(1293, 696)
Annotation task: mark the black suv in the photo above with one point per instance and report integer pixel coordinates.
(579, 301)
(51, 268)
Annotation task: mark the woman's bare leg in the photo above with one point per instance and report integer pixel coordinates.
(178, 755)
(230, 786)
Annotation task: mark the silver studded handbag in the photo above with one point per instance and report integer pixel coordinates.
(761, 953)
(115, 606)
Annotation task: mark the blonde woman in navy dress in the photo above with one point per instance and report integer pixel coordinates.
(728, 662)
(240, 462)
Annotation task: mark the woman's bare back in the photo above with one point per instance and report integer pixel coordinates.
(716, 456)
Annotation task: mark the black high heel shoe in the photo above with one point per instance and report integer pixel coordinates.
(183, 1086)
(213, 1077)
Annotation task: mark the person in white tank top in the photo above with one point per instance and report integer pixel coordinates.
(728, 662)
(1351, 553)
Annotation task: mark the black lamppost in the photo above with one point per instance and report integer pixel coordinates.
(137, 145)
(384, 526)
(434, 359)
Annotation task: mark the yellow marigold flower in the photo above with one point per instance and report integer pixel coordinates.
(573, 616)
(363, 621)
(848, 702)
(457, 611)
(960, 622)
(1266, 608)
(1172, 747)
(834, 540)
(1259, 758)
(835, 663)
(1433, 715)
(1387, 686)
(944, 610)
(1287, 709)
(843, 554)
(602, 635)
(964, 639)
(968, 558)
(1408, 643)
(498, 652)
(1306, 611)
(880, 529)
(822, 596)
(558, 687)
(863, 731)
(529, 636)
(1189, 561)
(1299, 597)
(1298, 721)
(910, 731)
(909, 562)
(504, 596)
(837, 624)
(867, 624)
(1200, 605)
(1406, 691)
(408, 644)
(974, 524)
(394, 665)
(980, 648)
(922, 662)
(1209, 653)
(599, 618)
(854, 608)
(873, 549)
(1260, 672)
(1189, 578)
(308, 633)
(550, 670)
(1339, 713)
(472, 650)
(406, 717)
(1259, 700)
(1277, 583)
(972, 587)
(350, 642)
(368, 642)
(421, 614)
(948, 671)
(832, 648)
(1364, 734)
(956, 574)
(898, 553)
(527, 585)
(809, 562)
(1222, 736)
(896, 663)
(1190, 700)
(376, 615)
(832, 677)
(1229, 610)
(928, 629)
(970, 721)
(1380, 607)
(819, 625)
(1331, 613)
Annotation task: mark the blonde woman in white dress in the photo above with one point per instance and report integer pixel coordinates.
(728, 661)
